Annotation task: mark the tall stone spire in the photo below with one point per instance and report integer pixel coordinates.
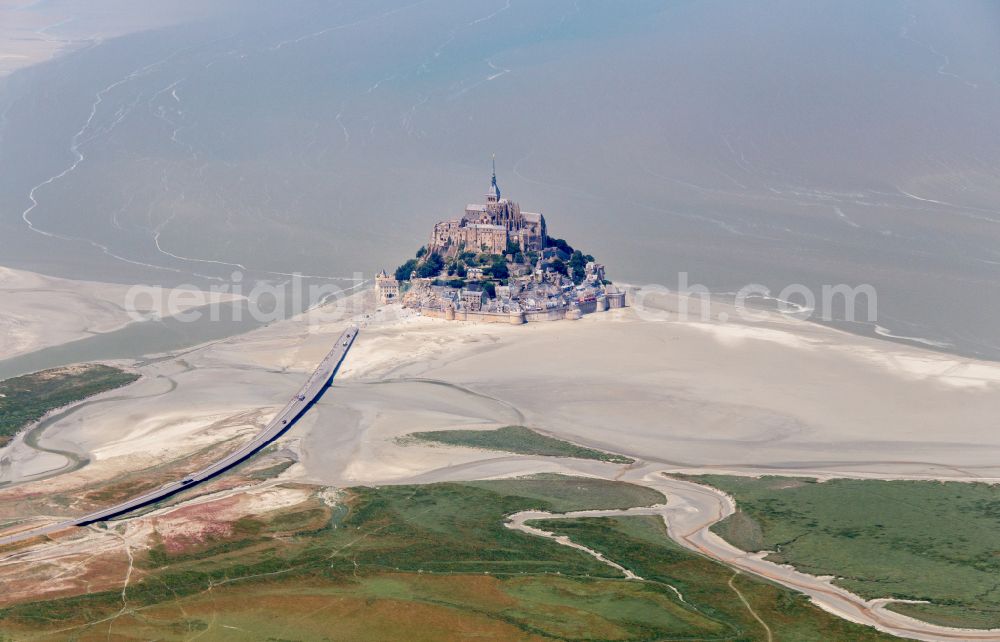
(494, 194)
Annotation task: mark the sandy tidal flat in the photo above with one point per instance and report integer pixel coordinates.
(777, 395)
(40, 311)
(32, 32)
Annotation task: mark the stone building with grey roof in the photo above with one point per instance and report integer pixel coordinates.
(488, 227)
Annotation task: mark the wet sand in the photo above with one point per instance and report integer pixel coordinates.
(41, 311)
(34, 32)
(225, 390)
(777, 395)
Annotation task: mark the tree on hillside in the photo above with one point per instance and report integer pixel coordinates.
(498, 268)
(559, 244)
(578, 265)
(431, 265)
(403, 271)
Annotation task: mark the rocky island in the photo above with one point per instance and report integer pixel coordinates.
(498, 264)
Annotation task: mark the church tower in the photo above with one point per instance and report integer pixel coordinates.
(493, 196)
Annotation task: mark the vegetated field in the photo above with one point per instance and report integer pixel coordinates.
(564, 493)
(641, 544)
(426, 562)
(27, 398)
(517, 439)
(916, 540)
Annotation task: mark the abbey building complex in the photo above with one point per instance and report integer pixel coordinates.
(497, 263)
(490, 227)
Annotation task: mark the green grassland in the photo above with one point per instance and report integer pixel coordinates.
(517, 439)
(427, 562)
(562, 493)
(641, 544)
(916, 540)
(27, 398)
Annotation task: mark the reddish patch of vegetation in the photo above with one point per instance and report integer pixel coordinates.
(192, 526)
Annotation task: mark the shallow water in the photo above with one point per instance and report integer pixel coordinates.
(133, 341)
(779, 143)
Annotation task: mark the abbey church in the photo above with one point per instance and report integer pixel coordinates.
(488, 227)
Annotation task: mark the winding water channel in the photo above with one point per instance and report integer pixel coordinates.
(689, 513)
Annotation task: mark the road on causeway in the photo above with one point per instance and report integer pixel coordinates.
(306, 396)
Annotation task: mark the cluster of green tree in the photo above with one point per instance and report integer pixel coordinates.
(426, 264)
(577, 265)
(567, 261)
(404, 271)
(497, 269)
(494, 266)
(514, 251)
(559, 244)
(430, 266)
